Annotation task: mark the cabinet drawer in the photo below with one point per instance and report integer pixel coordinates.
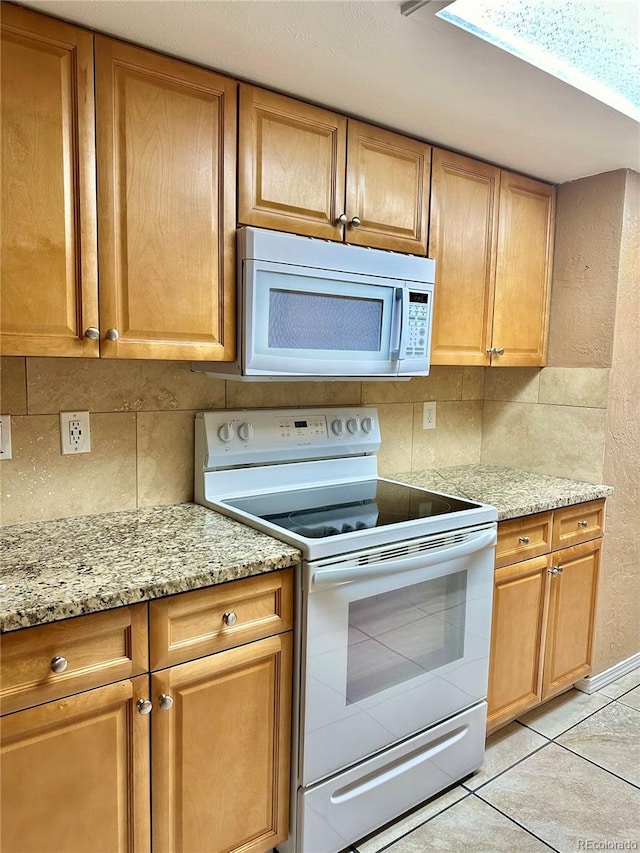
(187, 626)
(98, 649)
(522, 538)
(579, 523)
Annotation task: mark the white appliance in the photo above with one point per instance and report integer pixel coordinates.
(393, 612)
(317, 309)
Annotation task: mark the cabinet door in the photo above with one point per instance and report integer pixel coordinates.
(464, 224)
(515, 662)
(291, 163)
(75, 774)
(523, 271)
(166, 195)
(572, 604)
(387, 189)
(221, 752)
(49, 268)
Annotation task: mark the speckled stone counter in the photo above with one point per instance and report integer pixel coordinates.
(513, 492)
(50, 570)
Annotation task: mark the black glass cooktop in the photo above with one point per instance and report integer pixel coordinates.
(329, 510)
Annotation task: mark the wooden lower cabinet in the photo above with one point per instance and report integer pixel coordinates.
(515, 671)
(75, 774)
(220, 746)
(572, 604)
(543, 620)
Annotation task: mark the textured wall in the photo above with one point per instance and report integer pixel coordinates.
(585, 271)
(142, 428)
(618, 626)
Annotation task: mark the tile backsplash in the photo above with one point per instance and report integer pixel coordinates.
(142, 416)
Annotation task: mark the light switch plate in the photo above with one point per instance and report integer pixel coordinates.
(75, 434)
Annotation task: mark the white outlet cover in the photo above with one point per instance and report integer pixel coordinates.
(429, 415)
(5, 437)
(75, 433)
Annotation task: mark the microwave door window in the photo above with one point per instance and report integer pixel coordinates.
(319, 321)
(302, 323)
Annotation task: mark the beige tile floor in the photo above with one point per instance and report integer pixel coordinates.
(564, 777)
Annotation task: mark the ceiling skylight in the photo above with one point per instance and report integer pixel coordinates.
(593, 45)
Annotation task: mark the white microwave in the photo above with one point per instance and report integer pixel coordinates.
(314, 309)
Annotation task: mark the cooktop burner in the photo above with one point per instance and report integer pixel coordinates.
(343, 508)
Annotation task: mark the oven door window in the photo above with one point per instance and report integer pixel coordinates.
(404, 633)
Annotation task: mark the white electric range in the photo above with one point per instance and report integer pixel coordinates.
(393, 612)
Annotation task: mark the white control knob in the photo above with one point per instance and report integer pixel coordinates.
(353, 425)
(226, 432)
(245, 431)
(367, 424)
(337, 426)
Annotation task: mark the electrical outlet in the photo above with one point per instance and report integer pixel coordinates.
(75, 433)
(428, 416)
(5, 436)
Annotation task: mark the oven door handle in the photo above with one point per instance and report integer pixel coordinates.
(325, 577)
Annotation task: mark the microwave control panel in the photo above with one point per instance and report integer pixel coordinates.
(418, 329)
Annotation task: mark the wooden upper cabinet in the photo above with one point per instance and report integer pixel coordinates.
(464, 228)
(310, 171)
(492, 239)
(49, 267)
(289, 157)
(166, 134)
(523, 271)
(387, 189)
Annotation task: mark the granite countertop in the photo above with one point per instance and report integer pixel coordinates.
(55, 569)
(513, 492)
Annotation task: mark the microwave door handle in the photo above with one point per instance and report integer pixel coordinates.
(396, 325)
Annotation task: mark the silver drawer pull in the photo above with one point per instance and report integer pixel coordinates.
(59, 664)
(144, 706)
(524, 539)
(583, 523)
(230, 618)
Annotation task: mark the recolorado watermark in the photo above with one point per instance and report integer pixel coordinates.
(592, 844)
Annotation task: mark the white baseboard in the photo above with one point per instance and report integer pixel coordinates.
(596, 682)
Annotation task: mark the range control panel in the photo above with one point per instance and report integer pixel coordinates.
(262, 436)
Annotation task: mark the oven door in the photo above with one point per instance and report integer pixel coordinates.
(395, 639)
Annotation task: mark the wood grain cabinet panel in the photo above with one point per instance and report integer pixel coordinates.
(75, 774)
(198, 623)
(96, 649)
(519, 608)
(221, 750)
(543, 608)
(463, 233)
(492, 238)
(572, 606)
(309, 171)
(166, 134)
(523, 271)
(49, 240)
(289, 156)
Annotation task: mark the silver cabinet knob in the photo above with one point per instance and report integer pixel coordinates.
(560, 569)
(524, 539)
(92, 333)
(583, 523)
(112, 334)
(496, 351)
(553, 571)
(342, 219)
(356, 222)
(144, 706)
(229, 618)
(165, 701)
(59, 664)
